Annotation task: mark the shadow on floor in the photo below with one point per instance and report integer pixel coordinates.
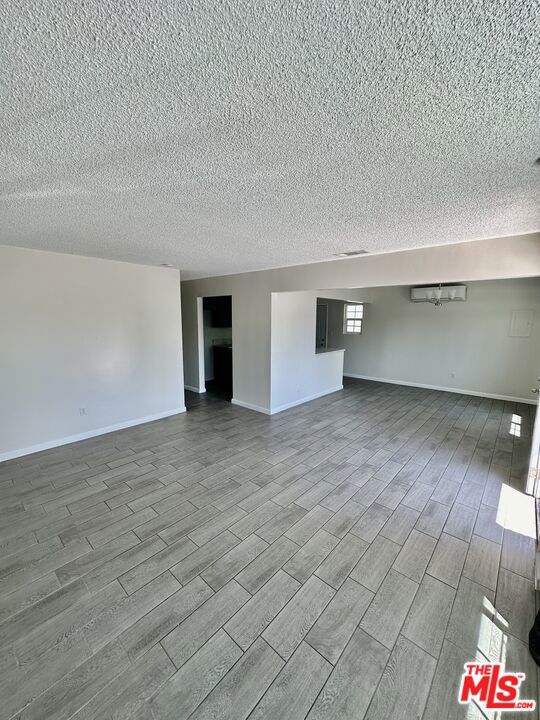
(213, 395)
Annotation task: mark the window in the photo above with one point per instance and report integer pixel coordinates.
(352, 319)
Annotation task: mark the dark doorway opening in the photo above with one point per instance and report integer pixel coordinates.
(218, 346)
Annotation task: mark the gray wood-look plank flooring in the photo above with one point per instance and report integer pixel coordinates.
(340, 560)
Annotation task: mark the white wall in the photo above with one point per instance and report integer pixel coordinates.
(517, 256)
(250, 331)
(80, 332)
(464, 346)
(298, 372)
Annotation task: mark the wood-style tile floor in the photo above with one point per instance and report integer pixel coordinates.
(341, 560)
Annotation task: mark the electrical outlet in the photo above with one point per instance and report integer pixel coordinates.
(82, 411)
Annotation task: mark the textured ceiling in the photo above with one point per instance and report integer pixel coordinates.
(237, 135)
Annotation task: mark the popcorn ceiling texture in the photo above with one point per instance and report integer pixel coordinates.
(237, 135)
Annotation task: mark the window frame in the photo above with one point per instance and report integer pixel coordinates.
(354, 320)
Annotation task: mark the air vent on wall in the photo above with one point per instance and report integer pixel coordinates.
(439, 294)
(351, 253)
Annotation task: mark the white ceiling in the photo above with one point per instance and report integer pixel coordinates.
(237, 135)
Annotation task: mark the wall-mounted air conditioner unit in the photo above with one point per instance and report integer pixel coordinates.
(439, 294)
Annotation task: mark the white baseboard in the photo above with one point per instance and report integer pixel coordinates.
(280, 408)
(303, 400)
(88, 434)
(194, 389)
(249, 406)
(460, 391)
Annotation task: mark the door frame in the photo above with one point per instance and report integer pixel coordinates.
(533, 482)
(533, 478)
(200, 345)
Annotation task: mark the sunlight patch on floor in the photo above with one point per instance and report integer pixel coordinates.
(515, 425)
(516, 511)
